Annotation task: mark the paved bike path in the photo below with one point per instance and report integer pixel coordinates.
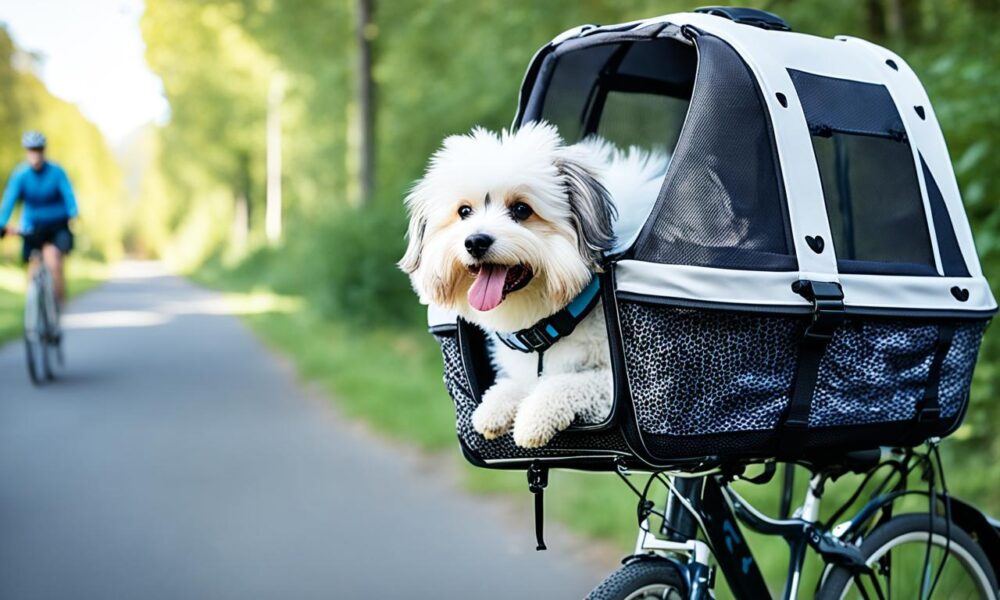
(177, 458)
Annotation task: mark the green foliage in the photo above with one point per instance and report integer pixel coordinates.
(441, 67)
(348, 260)
(73, 141)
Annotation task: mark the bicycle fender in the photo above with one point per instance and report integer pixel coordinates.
(975, 523)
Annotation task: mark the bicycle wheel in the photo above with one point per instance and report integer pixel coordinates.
(643, 580)
(897, 550)
(49, 324)
(34, 352)
(35, 345)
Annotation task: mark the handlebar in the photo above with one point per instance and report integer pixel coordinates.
(14, 231)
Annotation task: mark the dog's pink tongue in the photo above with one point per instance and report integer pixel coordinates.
(486, 292)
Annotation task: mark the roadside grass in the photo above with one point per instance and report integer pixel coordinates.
(82, 274)
(391, 379)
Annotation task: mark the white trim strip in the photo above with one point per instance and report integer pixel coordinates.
(437, 316)
(774, 288)
(705, 284)
(902, 292)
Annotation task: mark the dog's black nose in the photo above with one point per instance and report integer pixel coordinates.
(478, 243)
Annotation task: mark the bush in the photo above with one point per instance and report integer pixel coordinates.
(352, 257)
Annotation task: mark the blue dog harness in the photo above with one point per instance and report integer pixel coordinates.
(540, 336)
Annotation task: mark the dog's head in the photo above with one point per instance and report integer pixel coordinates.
(507, 229)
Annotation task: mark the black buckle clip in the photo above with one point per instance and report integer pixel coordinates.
(828, 307)
(538, 478)
(929, 413)
(532, 338)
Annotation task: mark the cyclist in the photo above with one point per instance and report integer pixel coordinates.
(48, 205)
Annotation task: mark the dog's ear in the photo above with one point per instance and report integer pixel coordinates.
(414, 234)
(591, 206)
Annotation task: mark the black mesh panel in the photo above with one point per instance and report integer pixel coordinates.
(874, 205)
(832, 104)
(722, 202)
(650, 121)
(572, 443)
(633, 93)
(869, 180)
(570, 88)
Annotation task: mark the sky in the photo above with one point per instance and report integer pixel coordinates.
(93, 55)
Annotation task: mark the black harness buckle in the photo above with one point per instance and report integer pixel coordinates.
(534, 339)
(828, 307)
(828, 313)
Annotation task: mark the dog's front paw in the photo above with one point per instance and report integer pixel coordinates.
(495, 415)
(493, 420)
(539, 419)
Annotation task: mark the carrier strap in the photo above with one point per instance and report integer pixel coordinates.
(538, 478)
(540, 336)
(928, 409)
(828, 314)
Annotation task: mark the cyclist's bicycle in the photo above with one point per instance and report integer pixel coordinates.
(42, 337)
(947, 549)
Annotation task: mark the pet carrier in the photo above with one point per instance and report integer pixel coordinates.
(805, 280)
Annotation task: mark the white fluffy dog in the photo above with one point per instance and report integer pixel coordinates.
(508, 229)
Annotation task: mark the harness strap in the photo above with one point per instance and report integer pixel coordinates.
(540, 336)
(538, 478)
(928, 409)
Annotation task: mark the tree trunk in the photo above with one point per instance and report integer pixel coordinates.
(366, 99)
(904, 19)
(242, 218)
(876, 19)
(272, 209)
(241, 221)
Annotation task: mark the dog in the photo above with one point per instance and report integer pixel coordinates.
(507, 229)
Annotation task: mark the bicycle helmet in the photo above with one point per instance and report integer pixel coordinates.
(33, 140)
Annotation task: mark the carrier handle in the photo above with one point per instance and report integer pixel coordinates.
(747, 16)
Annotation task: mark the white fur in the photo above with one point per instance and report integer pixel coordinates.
(529, 164)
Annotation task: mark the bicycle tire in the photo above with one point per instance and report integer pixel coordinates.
(50, 373)
(915, 529)
(34, 334)
(31, 351)
(642, 579)
(45, 336)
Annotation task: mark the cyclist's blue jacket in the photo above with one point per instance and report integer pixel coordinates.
(46, 193)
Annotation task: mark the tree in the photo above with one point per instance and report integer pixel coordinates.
(367, 30)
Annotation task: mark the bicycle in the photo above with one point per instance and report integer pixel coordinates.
(42, 339)
(951, 549)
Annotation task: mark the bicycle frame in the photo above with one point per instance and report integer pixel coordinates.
(718, 507)
(41, 296)
(708, 504)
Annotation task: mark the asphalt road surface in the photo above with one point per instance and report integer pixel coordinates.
(178, 458)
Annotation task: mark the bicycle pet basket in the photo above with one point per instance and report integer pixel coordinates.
(804, 282)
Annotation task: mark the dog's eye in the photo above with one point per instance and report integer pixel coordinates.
(521, 211)
(464, 211)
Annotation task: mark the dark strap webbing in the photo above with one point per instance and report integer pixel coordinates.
(929, 409)
(828, 314)
(538, 478)
(811, 351)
